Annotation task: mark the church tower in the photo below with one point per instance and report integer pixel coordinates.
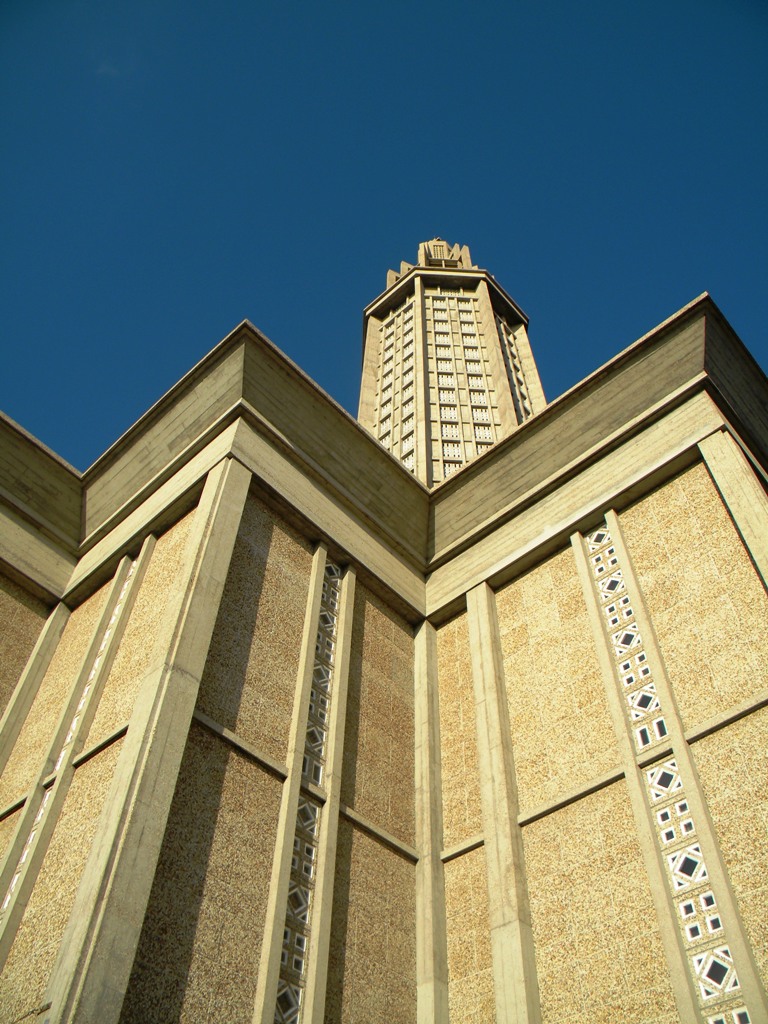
(448, 368)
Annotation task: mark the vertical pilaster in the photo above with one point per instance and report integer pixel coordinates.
(322, 911)
(26, 690)
(94, 963)
(431, 931)
(742, 493)
(45, 799)
(496, 364)
(271, 949)
(514, 966)
(421, 387)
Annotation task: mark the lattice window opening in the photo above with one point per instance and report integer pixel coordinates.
(319, 707)
(448, 412)
(447, 396)
(407, 443)
(642, 703)
(325, 646)
(480, 415)
(700, 917)
(303, 860)
(288, 1004)
(483, 433)
(737, 1016)
(446, 381)
(452, 450)
(449, 430)
(478, 398)
(407, 461)
(294, 952)
(450, 467)
(715, 973)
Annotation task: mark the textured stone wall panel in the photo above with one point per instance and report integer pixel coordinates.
(372, 955)
(599, 955)
(705, 599)
(250, 676)
(733, 768)
(7, 828)
(33, 954)
(138, 644)
(561, 728)
(22, 616)
(462, 816)
(470, 971)
(379, 733)
(36, 735)
(199, 950)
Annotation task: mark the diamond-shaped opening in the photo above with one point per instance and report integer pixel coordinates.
(688, 866)
(717, 972)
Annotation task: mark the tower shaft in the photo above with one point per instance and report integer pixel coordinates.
(448, 369)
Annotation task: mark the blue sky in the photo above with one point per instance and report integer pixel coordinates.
(170, 169)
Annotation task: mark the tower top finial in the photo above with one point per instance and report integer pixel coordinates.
(435, 253)
(438, 253)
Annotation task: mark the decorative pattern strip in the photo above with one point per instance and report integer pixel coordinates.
(641, 701)
(696, 910)
(66, 746)
(293, 963)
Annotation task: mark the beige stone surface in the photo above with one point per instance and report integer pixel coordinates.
(199, 949)
(7, 828)
(561, 728)
(35, 738)
(470, 970)
(378, 772)
(599, 953)
(705, 599)
(24, 978)
(137, 645)
(733, 768)
(372, 957)
(250, 676)
(21, 618)
(458, 734)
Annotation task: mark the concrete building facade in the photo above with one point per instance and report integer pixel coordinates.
(298, 728)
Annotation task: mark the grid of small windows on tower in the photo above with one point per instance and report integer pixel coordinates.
(460, 379)
(514, 368)
(396, 376)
